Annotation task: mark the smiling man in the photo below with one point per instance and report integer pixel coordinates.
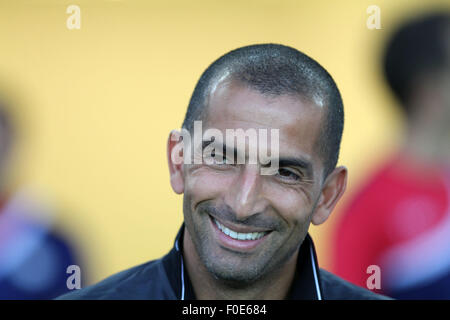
(245, 234)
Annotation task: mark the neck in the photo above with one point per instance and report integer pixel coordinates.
(206, 286)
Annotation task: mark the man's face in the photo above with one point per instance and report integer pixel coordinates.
(272, 212)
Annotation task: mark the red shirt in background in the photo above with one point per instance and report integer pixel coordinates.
(399, 221)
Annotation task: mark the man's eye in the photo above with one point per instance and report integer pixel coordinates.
(288, 174)
(222, 159)
(218, 158)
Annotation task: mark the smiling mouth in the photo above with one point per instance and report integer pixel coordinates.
(239, 235)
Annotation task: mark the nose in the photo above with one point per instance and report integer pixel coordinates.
(245, 195)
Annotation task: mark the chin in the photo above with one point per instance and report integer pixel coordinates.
(234, 275)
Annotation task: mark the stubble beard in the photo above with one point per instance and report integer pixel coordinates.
(234, 275)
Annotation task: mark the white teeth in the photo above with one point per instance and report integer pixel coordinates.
(238, 235)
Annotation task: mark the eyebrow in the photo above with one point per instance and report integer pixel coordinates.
(206, 143)
(300, 163)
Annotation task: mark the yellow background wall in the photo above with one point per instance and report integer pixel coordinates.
(95, 105)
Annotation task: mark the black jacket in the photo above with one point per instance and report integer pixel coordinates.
(166, 279)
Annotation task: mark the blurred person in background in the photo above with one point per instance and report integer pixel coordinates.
(33, 257)
(400, 219)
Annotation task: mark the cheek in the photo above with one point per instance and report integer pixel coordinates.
(291, 206)
(204, 184)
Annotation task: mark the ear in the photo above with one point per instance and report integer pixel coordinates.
(175, 159)
(332, 190)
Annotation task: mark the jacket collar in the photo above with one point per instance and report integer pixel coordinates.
(306, 284)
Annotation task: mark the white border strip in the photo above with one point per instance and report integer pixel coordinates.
(316, 280)
(182, 271)
(182, 279)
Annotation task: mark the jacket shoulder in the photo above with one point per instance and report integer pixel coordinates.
(336, 288)
(145, 281)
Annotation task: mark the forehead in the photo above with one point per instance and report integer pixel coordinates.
(232, 105)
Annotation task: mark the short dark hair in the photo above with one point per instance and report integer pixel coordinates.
(417, 48)
(275, 69)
